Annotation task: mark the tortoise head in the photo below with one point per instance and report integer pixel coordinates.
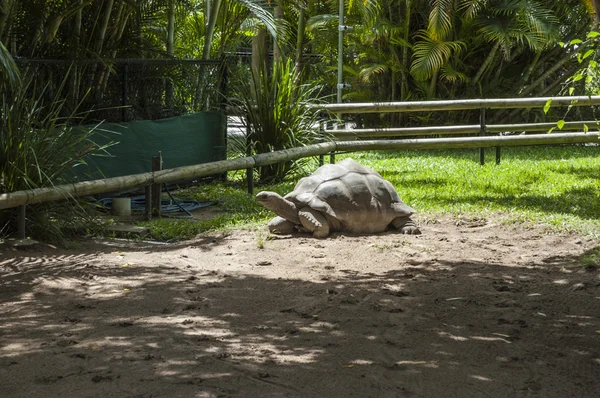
(279, 205)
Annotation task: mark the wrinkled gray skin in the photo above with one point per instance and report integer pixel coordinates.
(343, 197)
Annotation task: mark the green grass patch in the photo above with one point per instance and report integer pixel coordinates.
(555, 186)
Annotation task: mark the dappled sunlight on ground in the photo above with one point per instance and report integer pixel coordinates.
(462, 310)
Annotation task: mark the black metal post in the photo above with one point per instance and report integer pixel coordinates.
(148, 203)
(332, 154)
(498, 150)
(250, 180)
(482, 133)
(157, 165)
(223, 108)
(21, 222)
(249, 171)
(322, 139)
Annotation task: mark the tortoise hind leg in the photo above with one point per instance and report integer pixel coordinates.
(406, 226)
(280, 225)
(314, 222)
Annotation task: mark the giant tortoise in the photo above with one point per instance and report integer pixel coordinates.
(346, 197)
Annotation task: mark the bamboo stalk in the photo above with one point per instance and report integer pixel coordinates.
(455, 105)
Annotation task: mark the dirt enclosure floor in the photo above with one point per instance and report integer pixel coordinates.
(468, 309)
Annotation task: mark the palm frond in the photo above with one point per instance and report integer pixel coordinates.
(369, 71)
(440, 21)
(430, 55)
(452, 75)
(471, 8)
(8, 69)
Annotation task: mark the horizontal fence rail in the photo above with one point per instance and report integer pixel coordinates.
(454, 105)
(67, 191)
(457, 105)
(465, 129)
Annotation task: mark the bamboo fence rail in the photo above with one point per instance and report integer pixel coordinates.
(67, 191)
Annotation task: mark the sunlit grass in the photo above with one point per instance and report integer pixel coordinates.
(555, 186)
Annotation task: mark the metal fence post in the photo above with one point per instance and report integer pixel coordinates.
(332, 154)
(148, 203)
(321, 139)
(157, 165)
(250, 170)
(482, 133)
(21, 222)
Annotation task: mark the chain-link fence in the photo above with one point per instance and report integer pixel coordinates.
(122, 90)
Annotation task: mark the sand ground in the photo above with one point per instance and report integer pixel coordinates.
(471, 308)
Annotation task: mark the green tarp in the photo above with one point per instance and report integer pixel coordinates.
(183, 141)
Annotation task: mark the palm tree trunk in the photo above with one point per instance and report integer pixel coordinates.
(121, 20)
(5, 11)
(210, 28)
(530, 69)
(596, 4)
(278, 13)
(486, 64)
(301, 34)
(171, 28)
(103, 27)
(433, 85)
(547, 74)
(512, 114)
(75, 80)
(405, 57)
(259, 52)
(170, 52)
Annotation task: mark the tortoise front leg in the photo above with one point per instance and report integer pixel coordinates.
(406, 226)
(314, 222)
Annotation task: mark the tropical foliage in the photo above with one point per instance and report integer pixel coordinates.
(285, 53)
(278, 112)
(396, 49)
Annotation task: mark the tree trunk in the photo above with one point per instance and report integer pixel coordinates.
(530, 69)
(405, 59)
(171, 29)
(259, 52)
(103, 27)
(170, 52)
(75, 78)
(210, 28)
(596, 4)
(300, 40)
(433, 85)
(486, 64)
(278, 13)
(5, 11)
(549, 72)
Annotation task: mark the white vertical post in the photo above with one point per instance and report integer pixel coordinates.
(340, 79)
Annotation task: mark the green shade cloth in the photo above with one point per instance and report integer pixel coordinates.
(183, 141)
